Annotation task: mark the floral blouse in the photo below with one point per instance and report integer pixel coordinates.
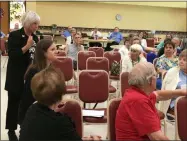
(164, 63)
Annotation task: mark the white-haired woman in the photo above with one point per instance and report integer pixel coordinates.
(21, 47)
(134, 58)
(176, 78)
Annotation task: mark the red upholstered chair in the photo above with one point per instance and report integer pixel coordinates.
(3, 51)
(116, 49)
(99, 63)
(111, 118)
(82, 57)
(65, 64)
(150, 42)
(181, 118)
(155, 61)
(48, 37)
(124, 82)
(99, 51)
(94, 88)
(113, 56)
(145, 54)
(73, 109)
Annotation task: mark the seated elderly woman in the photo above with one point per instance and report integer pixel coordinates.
(176, 78)
(43, 121)
(134, 58)
(137, 117)
(167, 61)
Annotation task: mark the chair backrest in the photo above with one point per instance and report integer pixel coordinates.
(73, 109)
(150, 42)
(2, 46)
(65, 64)
(124, 82)
(111, 118)
(48, 37)
(99, 51)
(93, 86)
(112, 56)
(97, 63)
(116, 49)
(82, 57)
(145, 54)
(181, 118)
(154, 62)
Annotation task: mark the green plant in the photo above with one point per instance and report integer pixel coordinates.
(14, 6)
(54, 26)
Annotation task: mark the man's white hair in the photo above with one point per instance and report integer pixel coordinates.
(136, 47)
(141, 74)
(29, 18)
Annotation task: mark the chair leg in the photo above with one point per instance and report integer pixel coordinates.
(165, 128)
(5, 62)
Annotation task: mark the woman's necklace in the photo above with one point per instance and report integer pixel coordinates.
(135, 62)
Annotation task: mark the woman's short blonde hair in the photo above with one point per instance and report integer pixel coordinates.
(48, 86)
(136, 47)
(29, 18)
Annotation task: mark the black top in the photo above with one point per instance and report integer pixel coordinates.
(18, 62)
(42, 123)
(27, 98)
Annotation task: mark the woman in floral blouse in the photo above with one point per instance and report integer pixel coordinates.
(165, 62)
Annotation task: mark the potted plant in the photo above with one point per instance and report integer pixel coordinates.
(53, 28)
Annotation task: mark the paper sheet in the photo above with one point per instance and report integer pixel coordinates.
(93, 113)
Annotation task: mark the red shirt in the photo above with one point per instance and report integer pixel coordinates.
(136, 116)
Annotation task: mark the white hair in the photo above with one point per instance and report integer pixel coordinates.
(29, 18)
(141, 74)
(176, 38)
(136, 47)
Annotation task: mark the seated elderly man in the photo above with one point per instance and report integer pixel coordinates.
(137, 40)
(70, 39)
(177, 42)
(73, 49)
(137, 117)
(116, 36)
(124, 50)
(134, 58)
(67, 32)
(183, 44)
(95, 34)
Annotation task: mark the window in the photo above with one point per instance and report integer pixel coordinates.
(16, 11)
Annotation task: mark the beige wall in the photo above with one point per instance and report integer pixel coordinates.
(90, 14)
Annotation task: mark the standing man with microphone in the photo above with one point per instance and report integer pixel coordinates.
(21, 47)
